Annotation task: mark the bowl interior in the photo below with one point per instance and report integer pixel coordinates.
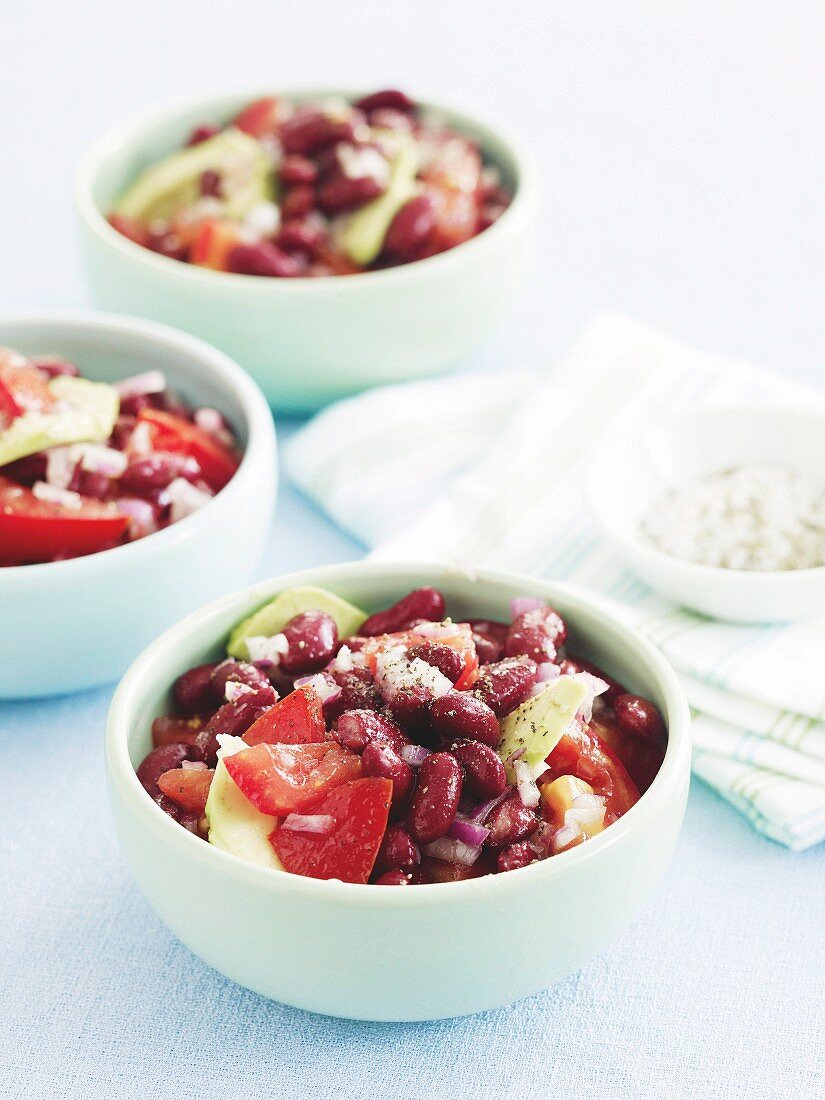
(637, 467)
(106, 351)
(135, 145)
(371, 586)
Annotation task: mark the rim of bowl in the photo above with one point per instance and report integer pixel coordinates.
(257, 416)
(128, 695)
(516, 214)
(697, 570)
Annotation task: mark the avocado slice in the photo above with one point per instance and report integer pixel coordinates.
(273, 617)
(235, 826)
(85, 413)
(362, 234)
(174, 182)
(539, 723)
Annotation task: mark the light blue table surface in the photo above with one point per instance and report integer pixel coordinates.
(716, 989)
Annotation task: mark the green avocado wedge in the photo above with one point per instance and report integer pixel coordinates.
(363, 232)
(235, 826)
(85, 413)
(273, 616)
(174, 182)
(539, 723)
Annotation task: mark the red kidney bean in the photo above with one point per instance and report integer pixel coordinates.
(297, 169)
(505, 684)
(517, 855)
(240, 672)
(638, 717)
(158, 471)
(357, 728)
(162, 760)
(387, 118)
(539, 633)
(26, 470)
(411, 708)
(169, 244)
(309, 130)
(484, 775)
(435, 801)
(234, 719)
(93, 484)
(572, 665)
(410, 227)
(53, 366)
(339, 192)
(134, 403)
(398, 851)
(312, 638)
(203, 133)
(387, 97)
(211, 183)
(298, 201)
(298, 236)
(422, 603)
(447, 660)
(263, 259)
(194, 692)
(382, 761)
(358, 692)
(169, 729)
(458, 715)
(510, 822)
(394, 878)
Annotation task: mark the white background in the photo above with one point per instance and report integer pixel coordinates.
(681, 143)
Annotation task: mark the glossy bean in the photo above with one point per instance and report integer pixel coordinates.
(435, 800)
(484, 774)
(447, 660)
(194, 692)
(398, 851)
(638, 717)
(505, 684)
(313, 639)
(509, 823)
(422, 603)
(459, 715)
(383, 762)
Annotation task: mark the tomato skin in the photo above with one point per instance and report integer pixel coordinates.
(298, 719)
(284, 779)
(189, 787)
(259, 118)
(33, 530)
(22, 388)
(461, 640)
(172, 433)
(360, 810)
(641, 758)
(581, 752)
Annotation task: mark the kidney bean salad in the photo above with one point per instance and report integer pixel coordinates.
(307, 189)
(86, 466)
(400, 748)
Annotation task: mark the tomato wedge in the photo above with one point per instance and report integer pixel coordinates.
(581, 752)
(284, 779)
(189, 787)
(22, 388)
(260, 117)
(359, 811)
(458, 636)
(212, 243)
(173, 433)
(34, 530)
(297, 719)
(641, 758)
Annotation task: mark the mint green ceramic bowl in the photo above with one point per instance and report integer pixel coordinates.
(68, 625)
(308, 341)
(377, 953)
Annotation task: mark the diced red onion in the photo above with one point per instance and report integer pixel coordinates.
(193, 766)
(517, 755)
(483, 810)
(314, 824)
(322, 684)
(140, 441)
(565, 835)
(435, 630)
(185, 498)
(60, 466)
(141, 516)
(99, 459)
(211, 421)
(587, 812)
(54, 495)
(547, 671)
(233, 691)
(454, 851)
(266, 649)
(139, 385)
(520, 604)
(526, 785)
(468, 832)
(414, 755)
(396, 674)
(342, 661)
(228, 744)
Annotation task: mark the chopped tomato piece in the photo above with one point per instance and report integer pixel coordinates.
(359, 811)
(581, 752)
(22, 388)
(34, 530)
(641, 758)
(131, 228)
(172, 433)
(297, 719)
(214, 240)
(189, 787)
(171, 730)
(261, 117)
(284, 779)
(458, 636)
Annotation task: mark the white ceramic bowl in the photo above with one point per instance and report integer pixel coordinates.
(72, 624)
(377, 953)
(308, 341)
(636, 467)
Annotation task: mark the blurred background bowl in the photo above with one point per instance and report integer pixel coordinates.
(309, 341)
(71, 624)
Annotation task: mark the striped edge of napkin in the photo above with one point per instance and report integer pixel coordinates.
(490, 470)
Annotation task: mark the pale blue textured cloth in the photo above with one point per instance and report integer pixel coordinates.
(715, 991)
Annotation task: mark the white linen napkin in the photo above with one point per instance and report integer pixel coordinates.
(461, 468)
